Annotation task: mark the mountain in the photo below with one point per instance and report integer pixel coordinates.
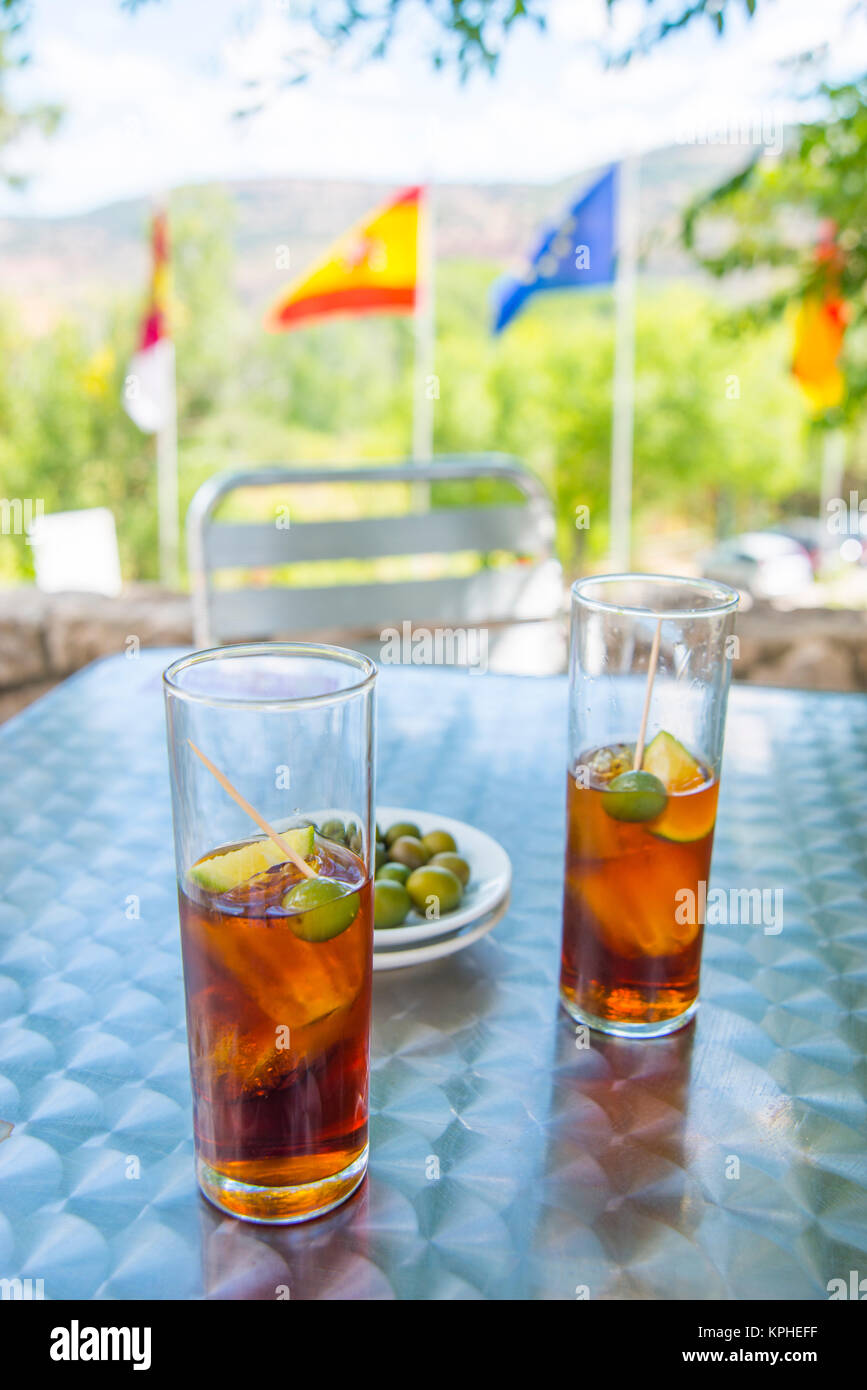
(51, 266)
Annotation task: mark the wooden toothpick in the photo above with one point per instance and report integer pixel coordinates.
(651, 672)
(244, 804)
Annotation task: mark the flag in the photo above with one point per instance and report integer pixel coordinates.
(578, 251)
(372, 269)
(819, 326)
(148, 393)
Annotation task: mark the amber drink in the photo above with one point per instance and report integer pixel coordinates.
(641, 815)
(276, 930)
(278, 1024)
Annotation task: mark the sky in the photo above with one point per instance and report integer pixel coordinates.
(150, 98)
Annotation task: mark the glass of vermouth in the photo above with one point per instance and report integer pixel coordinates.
(271, 755)
(650, 663)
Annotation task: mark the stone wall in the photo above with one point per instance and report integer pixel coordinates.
(45, 637)
(808, 648)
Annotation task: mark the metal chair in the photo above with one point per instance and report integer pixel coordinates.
(528, 589)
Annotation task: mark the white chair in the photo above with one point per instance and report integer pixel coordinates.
(527, 589)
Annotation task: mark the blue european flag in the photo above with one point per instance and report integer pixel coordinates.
(578, 251)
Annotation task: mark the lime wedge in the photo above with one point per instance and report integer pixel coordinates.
(691, 810)
(683, 823)
(674, 765)
(220, 872)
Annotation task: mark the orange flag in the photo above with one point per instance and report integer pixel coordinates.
(819, 328)
(820, 324)
(372, 269)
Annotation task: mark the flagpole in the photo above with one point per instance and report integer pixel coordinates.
(425, 385)
(623, 402)
(167, 482)
(833, 470)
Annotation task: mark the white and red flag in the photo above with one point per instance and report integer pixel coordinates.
(148, 392)
(149, 396)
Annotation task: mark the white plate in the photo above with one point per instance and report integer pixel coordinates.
(435, 950)
(491, 878)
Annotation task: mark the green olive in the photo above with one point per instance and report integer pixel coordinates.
(409, 850)
(323, 908)
(459, 867)
(391, 903)
(439, 842)
(380, 856)
(401, 827)
(399, 872)
(635, 796)
(334, 830)
(434, 890)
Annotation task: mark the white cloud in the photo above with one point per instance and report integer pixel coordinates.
(150, 102)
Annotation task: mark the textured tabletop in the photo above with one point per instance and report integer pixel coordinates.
(727, 1161)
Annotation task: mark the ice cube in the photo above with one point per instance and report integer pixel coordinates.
(603, 764)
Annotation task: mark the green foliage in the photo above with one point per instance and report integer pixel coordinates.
(472, 33)
(713, 415)
(766, 219)
(717, 423)
(716, 12)
(16, 122)
(206, 319)
(716, 416)
(63, 439)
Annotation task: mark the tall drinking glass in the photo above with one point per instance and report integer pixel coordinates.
(650, 663)
(277, 933)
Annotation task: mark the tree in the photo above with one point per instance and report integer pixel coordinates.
(475, 32)
(206, 318)
(766, 219)
(767, 208)
(17, 122)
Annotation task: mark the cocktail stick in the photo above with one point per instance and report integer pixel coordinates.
(254, 814)
(651, 672)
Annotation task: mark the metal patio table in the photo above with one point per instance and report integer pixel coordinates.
(727, 1161)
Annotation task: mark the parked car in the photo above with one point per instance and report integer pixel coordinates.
(826, 548)
(762, 563)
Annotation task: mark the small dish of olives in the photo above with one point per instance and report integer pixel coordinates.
(434, 876)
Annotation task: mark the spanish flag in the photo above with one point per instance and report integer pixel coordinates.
(373, 269)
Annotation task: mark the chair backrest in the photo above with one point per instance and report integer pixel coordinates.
(528, 589)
